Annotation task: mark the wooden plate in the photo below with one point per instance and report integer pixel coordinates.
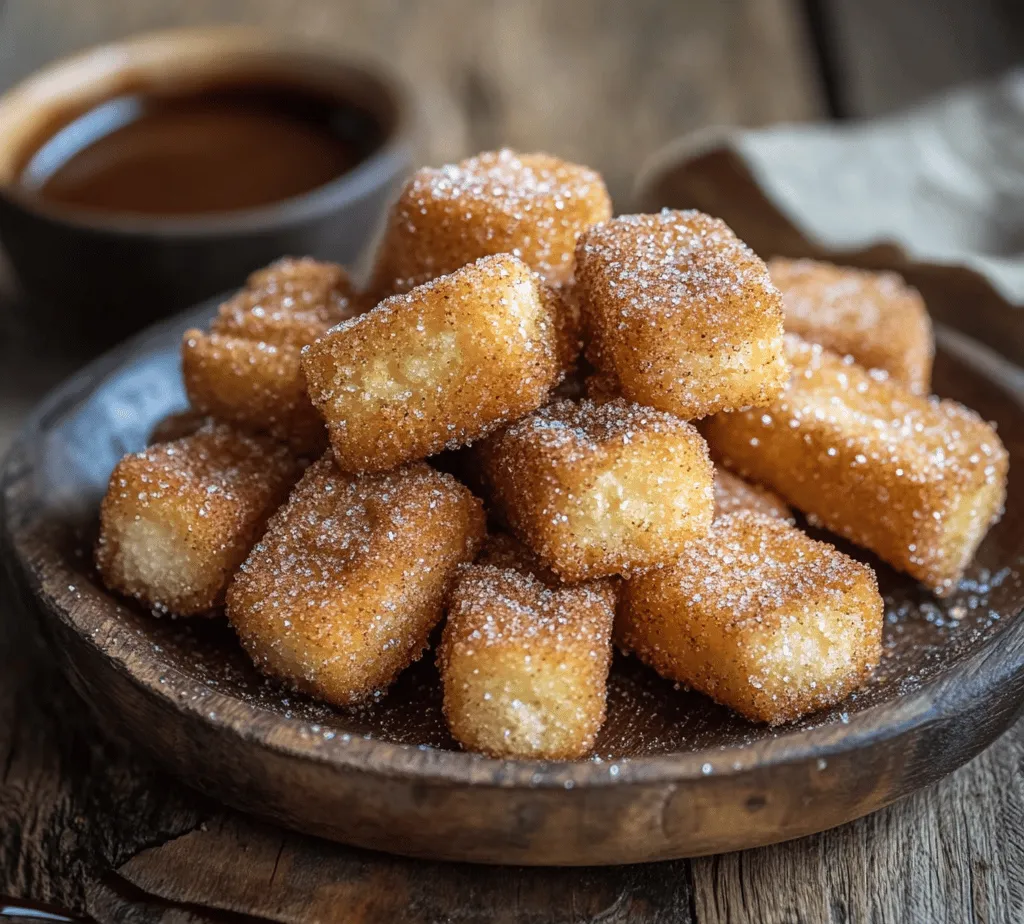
(675, 775)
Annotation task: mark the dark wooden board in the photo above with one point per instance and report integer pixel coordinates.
(673, 774)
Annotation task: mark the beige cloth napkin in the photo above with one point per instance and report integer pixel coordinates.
(936, 193)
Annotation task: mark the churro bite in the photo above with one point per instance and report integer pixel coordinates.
(733, 495)
(602, 387)
(680, 313)
(563, 307)
(247, 369)
(918, 481)
(179, 518)
(524, 666)
(438, 367)
(175, 426)
(600, 490)
(874, 317)
(503, 550)
(758, 616)
(533, 206)
(343, 590)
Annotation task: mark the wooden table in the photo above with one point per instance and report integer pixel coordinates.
(86, 826)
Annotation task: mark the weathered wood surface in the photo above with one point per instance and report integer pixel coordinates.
(86, 826)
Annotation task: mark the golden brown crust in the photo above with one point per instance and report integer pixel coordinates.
(602, 387)
(733, 494)
(600, 490)
(758, 616)
(343, 590)
(178, 519)
(524, 666)
(503, 550)
(562, 305)
(918, 481)
(255, 386)
(246, 370)
(531, 205)
(874, 317)
(175, 426)
(681, 313)
(438, 367)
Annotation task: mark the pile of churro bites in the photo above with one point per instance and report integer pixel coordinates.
(544, 432)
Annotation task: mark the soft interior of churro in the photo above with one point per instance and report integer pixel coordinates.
(629, 496)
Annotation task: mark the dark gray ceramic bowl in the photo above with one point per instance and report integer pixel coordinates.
(89, 279)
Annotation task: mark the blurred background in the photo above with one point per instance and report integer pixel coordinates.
(605, 82)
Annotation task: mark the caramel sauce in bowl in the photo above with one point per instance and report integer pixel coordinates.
(140, 177)
(212, 151)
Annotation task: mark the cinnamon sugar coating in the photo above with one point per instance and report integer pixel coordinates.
(733, 494)
(179, 518)
(758, 616)
(438, 367)
(533, 206)
(596, 490)
(503, 550)
(918, 481)
(343, 590)
(175, 426)
(524, 666)
(681, 313)
(602, 387)
(550, 358)
(246, 370)
(874, 317)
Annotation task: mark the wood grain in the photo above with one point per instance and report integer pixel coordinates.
(888, 56)
(71, 828)
(87, 827)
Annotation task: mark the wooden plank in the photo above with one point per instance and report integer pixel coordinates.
(72, 803)
(954, 852)
(889, 55)
(606, 82)
(295, 879)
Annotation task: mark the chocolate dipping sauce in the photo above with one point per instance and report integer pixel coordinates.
(215, 150)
